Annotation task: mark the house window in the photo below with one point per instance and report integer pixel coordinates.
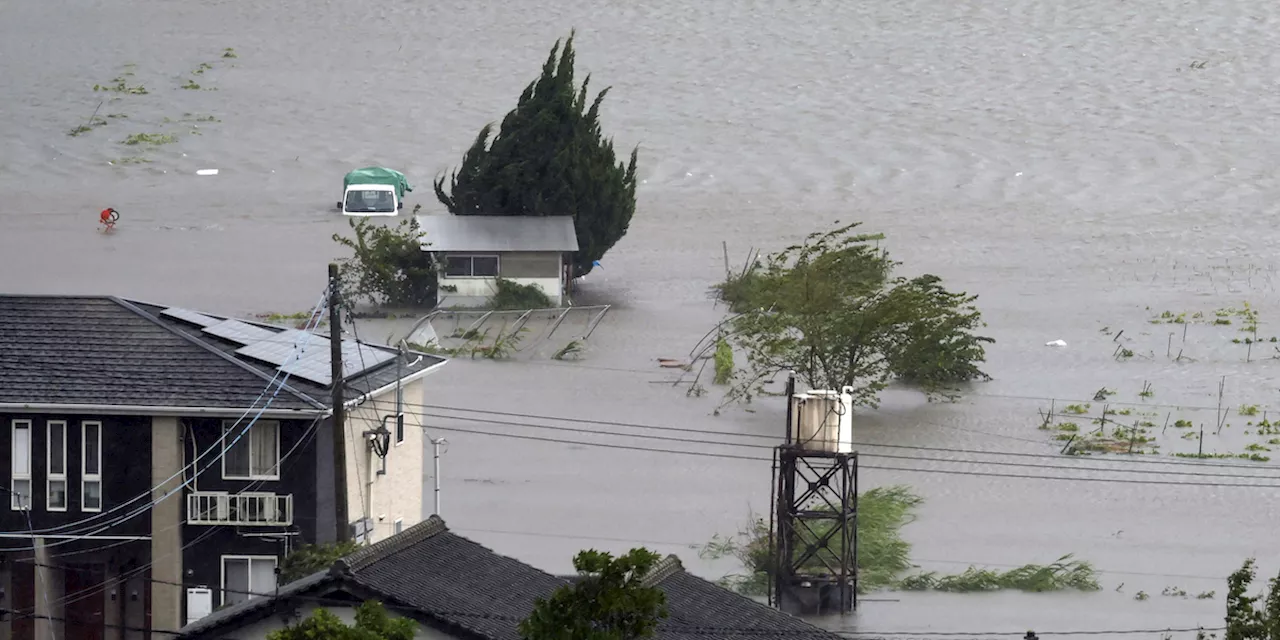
(91, 466)
(56, 479)
(245, 577)
(399, 525)
(20, 490)
(254, 455)
(471, 266)
(400, 429)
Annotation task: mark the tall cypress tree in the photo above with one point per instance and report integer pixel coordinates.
(549, 158)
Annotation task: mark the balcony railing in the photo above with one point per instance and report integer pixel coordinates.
(241, 509)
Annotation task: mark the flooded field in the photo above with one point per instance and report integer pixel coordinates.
(1083, 167)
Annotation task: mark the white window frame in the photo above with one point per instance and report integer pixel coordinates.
(230, 430)
(50, 477)
(15, 503)
(397, 526)
(399, 429)
(87, 478)
(222, 579)
(471, 260)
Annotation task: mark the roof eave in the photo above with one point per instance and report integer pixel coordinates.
(413, 377)
(130, 409)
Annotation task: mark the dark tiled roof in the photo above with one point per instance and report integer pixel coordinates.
(701, 610)
(469, 591)
(452, 579)
(100, 350)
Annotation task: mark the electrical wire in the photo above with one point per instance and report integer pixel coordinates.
(182, 472)
(727, 456)
(1099, 632)
(298, 350)
(306, 438)
(1164, 474)
(876, 455)
(772, 438)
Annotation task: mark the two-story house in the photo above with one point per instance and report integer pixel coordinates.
(158, 463)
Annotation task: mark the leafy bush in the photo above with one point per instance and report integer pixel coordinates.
(308, 559)
(388, 265)
(515, 296)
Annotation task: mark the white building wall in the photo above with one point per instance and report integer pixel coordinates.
(260, 629)
(476, 291)
(398, 494)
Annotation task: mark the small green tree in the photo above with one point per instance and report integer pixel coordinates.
(387, 265)
(608, 602)
(372, 623)
(830, 310)
(1245, 621)
(550, 158)
(308, 559)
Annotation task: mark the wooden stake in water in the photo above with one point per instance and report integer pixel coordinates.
(1201, 450)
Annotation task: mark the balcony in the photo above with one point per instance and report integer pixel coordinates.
(249, 509)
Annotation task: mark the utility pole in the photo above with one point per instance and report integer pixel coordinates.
(339, 417)
(436, 442)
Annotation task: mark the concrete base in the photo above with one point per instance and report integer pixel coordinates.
(820, 597)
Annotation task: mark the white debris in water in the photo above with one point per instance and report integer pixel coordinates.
(1055, 343)
(207, 172)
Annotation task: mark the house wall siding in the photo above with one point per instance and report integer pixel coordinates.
(202, 561)
(529, 264)
(537, 268)
(398, 494)
(260, 629)
(126, 471)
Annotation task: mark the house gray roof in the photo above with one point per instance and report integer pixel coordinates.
(456, 585)
(498, 233)
(107, 351)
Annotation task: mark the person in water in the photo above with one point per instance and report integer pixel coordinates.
(109, 217)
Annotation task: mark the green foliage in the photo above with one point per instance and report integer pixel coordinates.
(883, 555)
(608, 602)
(549, 158)
(1245, 620)
(154, 139)
(724, 361)
(515, 296)
(1063, 574)
(372, 623)
(308, 559)
(830, 310)
(388, 265)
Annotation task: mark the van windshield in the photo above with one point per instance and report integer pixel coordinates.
(370, 201)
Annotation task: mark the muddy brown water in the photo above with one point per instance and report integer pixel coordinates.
(1073, 164)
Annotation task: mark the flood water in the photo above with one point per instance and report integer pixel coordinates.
(1080, 166)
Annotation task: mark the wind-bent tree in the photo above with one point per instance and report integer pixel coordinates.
(609, 601)
(830, 310)
(549, 158)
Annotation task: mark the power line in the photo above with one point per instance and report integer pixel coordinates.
(83, 522)
(865, 466)
(880, 455)
(1136, 460)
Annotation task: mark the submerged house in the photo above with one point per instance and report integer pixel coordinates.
(473, 252)
(158, 462)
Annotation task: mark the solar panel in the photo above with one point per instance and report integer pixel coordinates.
(358, 358)
(187, 315)
(276, 353)
(239, 332)
(316, 371)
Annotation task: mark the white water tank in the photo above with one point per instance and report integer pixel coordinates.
(822, 420)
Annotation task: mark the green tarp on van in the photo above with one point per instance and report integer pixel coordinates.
(378, 175)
